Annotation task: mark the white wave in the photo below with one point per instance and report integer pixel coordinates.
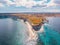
(32, 38)
(32, 34)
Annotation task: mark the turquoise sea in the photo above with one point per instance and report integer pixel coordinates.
(14, 32)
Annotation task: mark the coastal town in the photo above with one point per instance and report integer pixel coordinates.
(36, 18)
(33, 18)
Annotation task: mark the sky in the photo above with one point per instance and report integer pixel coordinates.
(19, 6)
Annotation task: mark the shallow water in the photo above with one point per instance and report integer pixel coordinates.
(51, 35)
(14, 32)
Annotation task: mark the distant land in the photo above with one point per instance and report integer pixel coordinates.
(33, 18)
(35, 14)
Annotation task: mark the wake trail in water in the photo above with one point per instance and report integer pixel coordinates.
(33, 36)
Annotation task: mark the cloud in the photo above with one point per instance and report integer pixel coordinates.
(57, 2)
(25, 3)
(9, 2)
(51, 3)
(29, 3)
(1, 5)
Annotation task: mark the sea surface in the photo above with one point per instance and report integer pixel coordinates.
(14, 32)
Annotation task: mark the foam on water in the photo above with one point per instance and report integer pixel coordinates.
(32, 37)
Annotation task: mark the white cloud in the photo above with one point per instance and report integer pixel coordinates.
(9, 2)
(25, 3)
(51, 3)
(1, 5)
(29, 3)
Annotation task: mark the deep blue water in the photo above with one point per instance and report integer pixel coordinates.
(13, 32)
(55, 23)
